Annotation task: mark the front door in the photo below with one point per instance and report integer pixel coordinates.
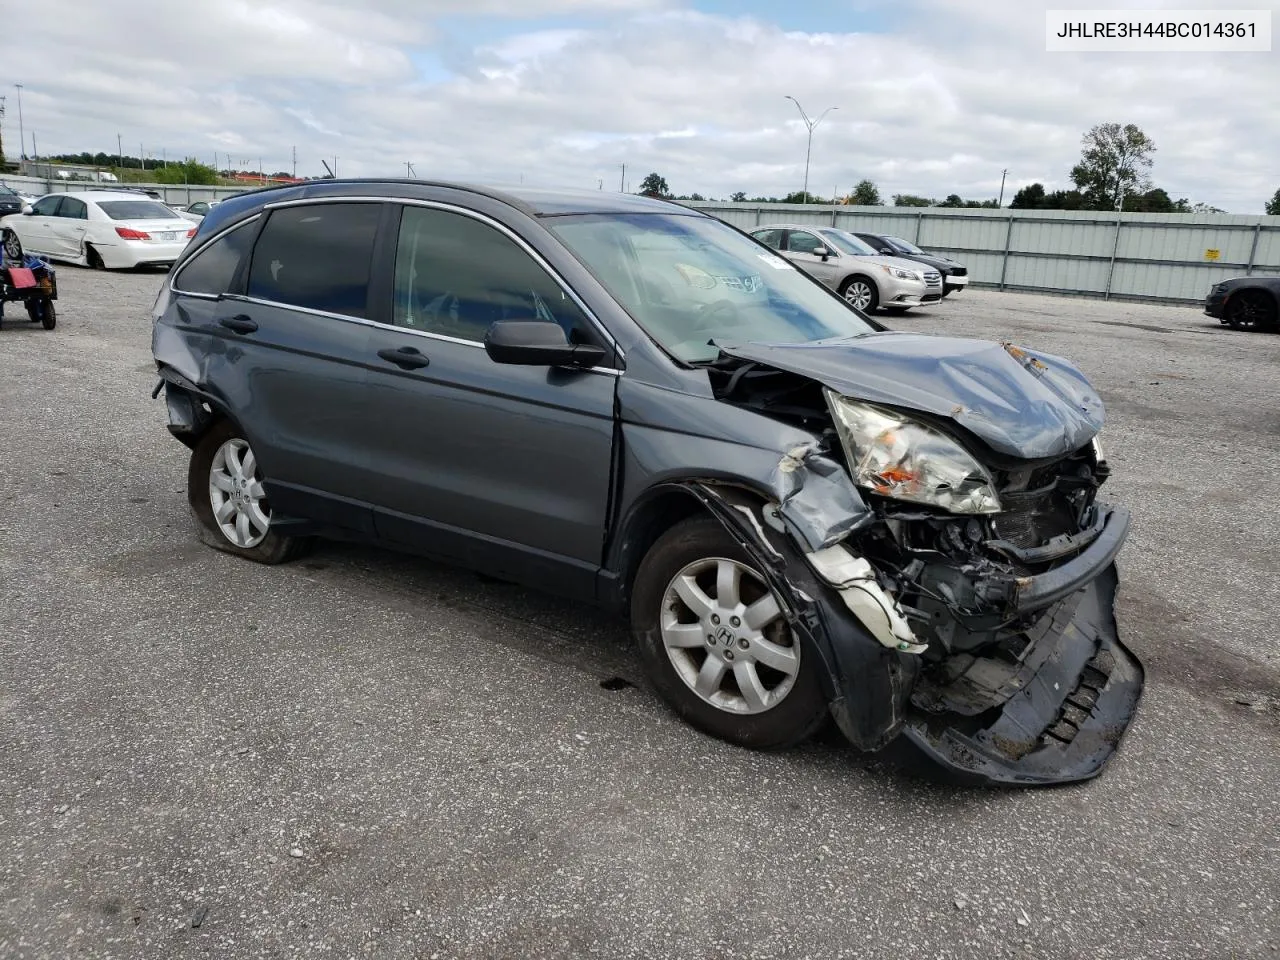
(67, 229)
(503, 467)
(800, 250)
(34, 229)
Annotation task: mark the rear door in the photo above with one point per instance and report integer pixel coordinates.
(67, 229)
(502, 467)
(291, 341)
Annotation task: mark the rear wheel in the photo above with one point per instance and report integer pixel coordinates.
(715, 644)
(861, 293)
(1251, 310)
(226, 493)
(93, 258)
(42, 312)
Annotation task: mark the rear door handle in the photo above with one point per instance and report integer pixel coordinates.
(407, 358)
(239, 323)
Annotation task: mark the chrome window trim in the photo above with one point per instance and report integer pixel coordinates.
(213, 238)
(488, 220)
(365, 322)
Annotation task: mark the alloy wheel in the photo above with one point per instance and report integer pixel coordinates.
(858, 293)
(725, 635)
(236, 493)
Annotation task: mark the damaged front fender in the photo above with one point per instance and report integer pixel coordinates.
(868, 684)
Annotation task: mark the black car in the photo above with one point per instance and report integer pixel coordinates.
(10, 202)
(955, 275)
(1245, 303)
(805, 516)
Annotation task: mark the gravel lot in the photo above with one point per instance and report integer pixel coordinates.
(367, 755)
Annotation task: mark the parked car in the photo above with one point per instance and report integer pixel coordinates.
(851, 268)
(11, 201)
(196, 212)
(1245, 303)
(955, 275)
(102, 228)
(805, 516)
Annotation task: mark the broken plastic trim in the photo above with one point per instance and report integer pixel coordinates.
(816, 497)
(855, 579)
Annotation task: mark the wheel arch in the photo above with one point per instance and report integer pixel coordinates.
(192, 411)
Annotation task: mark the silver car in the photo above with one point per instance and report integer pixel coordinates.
(850, 267)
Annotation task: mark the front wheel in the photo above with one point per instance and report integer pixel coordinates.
(715, 644)
(1251, 311)
(860, 293)
(230, 503)
(13, 248)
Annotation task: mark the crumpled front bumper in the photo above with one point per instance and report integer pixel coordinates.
(1068, 718)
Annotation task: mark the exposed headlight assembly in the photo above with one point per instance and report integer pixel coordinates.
(895, 456)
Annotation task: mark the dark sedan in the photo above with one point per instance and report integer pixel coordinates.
(10, 201)
(1245, 303)
(955, 275)
(805, 517)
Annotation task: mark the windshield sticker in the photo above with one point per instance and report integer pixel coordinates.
(774, 261)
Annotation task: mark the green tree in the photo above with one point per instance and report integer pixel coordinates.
(654, 186)
(738, 197)
(1273, 205)
(866, 194)
(189, 170)
(1029, 197)
(1113, 163)
(911, 200)
(952, 200)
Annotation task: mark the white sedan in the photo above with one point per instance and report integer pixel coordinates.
(101, 228)
(198, 210)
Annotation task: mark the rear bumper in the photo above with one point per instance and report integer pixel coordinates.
(136, 253)
(1064, 725)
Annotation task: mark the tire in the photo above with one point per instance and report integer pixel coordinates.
(779, 703)
(1251, 310)
(861, 293)
(222, 450)
(43, 313)
(12, 247)
(93, 258)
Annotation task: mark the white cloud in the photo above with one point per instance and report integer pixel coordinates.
(964, 91)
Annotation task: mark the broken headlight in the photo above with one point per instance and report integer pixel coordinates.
(895, 456)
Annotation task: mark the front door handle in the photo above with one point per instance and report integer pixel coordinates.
(407, 358)
(239, 323)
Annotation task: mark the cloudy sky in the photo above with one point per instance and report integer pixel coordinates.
(934, 96)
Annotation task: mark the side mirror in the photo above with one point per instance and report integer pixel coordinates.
(28, 210)
(537, 343)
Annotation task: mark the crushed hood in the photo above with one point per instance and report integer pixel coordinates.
(1020, 403)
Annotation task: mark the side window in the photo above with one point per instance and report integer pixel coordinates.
(456, 276)
(47, 206)
(317, 256)
(772, 238)
(211, 270)
(199, 207)
(799, 241)
(73, 209)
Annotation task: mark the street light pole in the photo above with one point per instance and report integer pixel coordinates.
(22, 133)
(808, 151)
(1003, 174)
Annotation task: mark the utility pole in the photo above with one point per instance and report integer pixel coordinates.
(599, 187)
(1, 123)
(164, 157)
(335, 168)
(35, 151)
(809, 149)
(142, 156)
(1003, 174)
(295, 163)
(22, 134)
(622, 183)
(120, 154)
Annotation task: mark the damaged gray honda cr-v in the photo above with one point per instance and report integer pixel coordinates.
(629, 403)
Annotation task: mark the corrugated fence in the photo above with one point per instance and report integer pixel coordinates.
(1138, 256)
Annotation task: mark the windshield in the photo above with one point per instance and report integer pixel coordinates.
(137, 210)
(691, 280)
(6, 192)
(848, 243)
(903, 245)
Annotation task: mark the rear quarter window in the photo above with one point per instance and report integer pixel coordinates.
(211, 271)
(317, 256)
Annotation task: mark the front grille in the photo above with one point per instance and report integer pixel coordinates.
(932, 278)
(1032, 517)
(959, 272)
